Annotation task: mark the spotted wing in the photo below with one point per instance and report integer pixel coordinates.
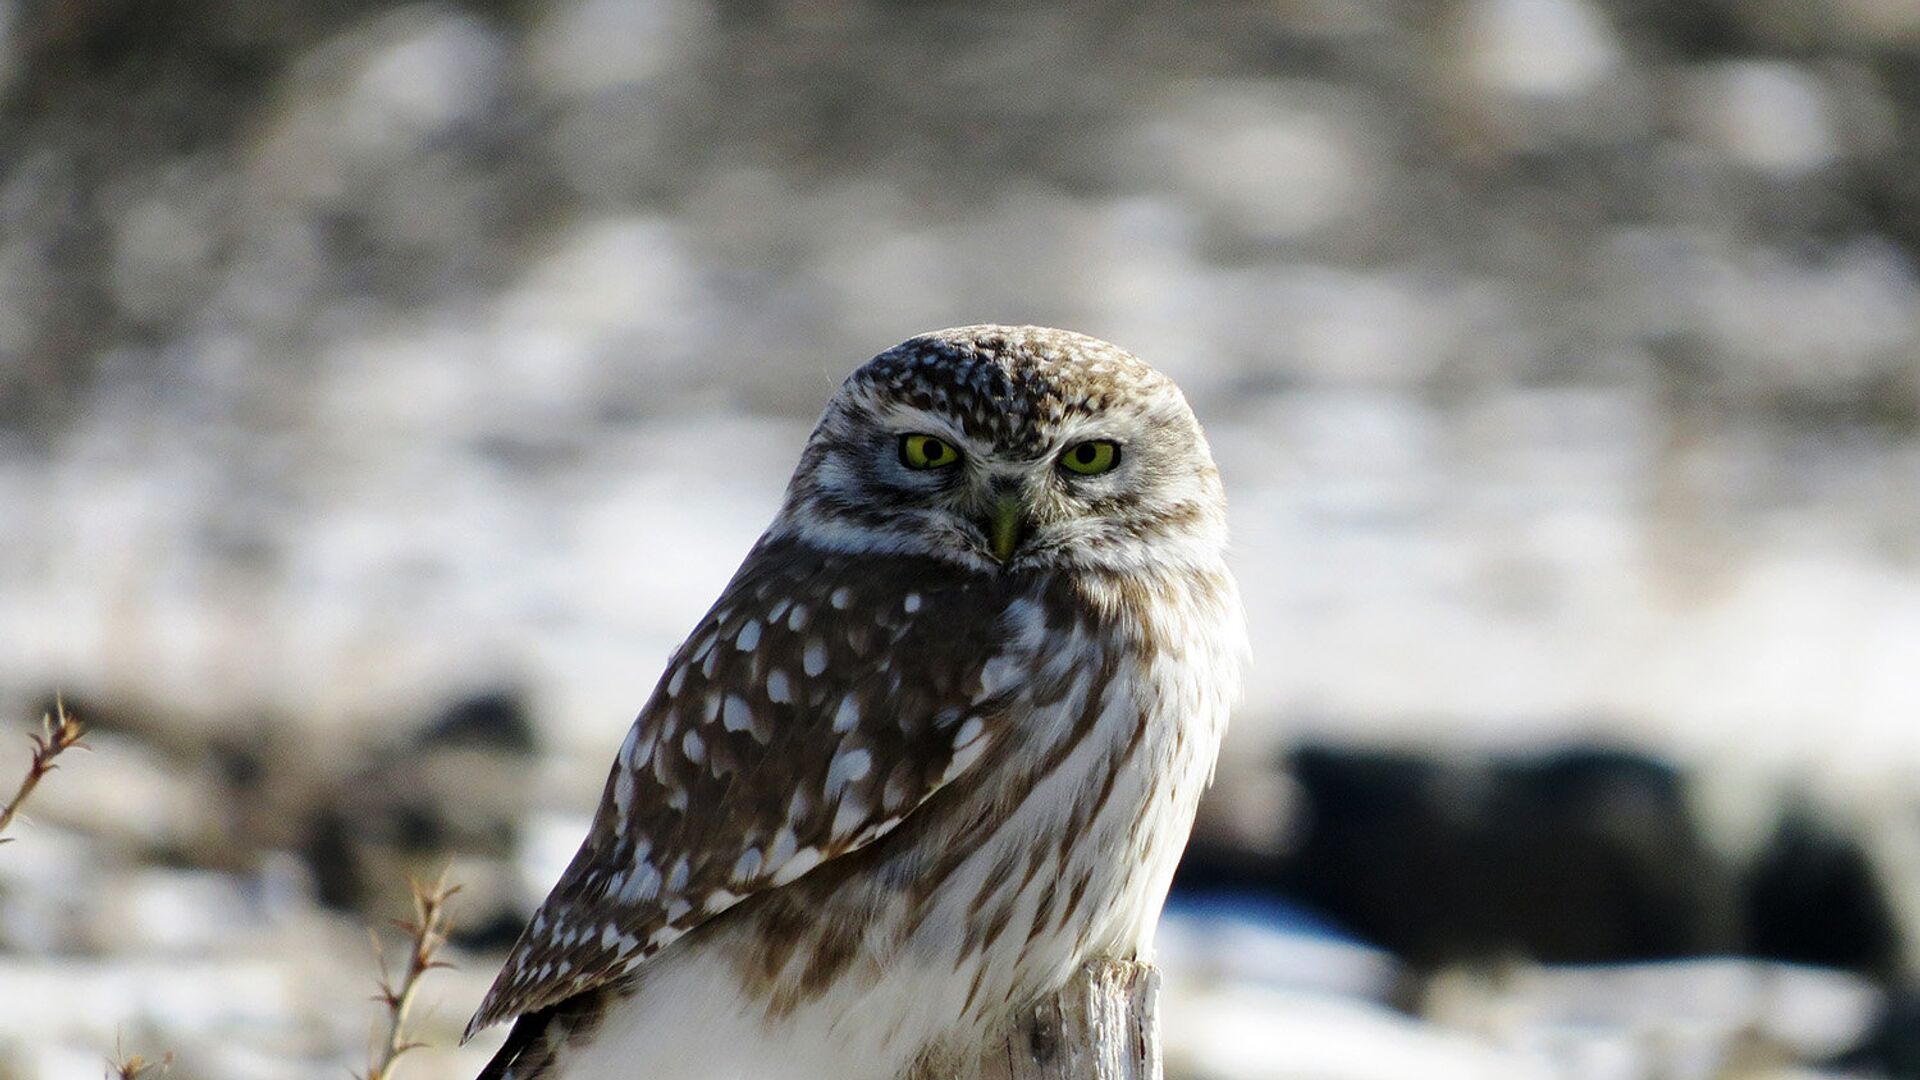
(810, 712)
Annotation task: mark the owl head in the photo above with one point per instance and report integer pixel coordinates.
(1006, 448)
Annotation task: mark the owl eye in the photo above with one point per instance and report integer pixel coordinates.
(926, 452)
(1091, 458)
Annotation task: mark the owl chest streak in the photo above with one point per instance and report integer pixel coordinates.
(1060, 848)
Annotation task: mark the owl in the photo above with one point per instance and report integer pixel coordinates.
(938, 742)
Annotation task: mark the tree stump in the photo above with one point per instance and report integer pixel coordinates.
(1103, 1026)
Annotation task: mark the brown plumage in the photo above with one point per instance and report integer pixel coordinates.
(902, 778)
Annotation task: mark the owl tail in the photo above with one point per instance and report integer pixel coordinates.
(539, 1040)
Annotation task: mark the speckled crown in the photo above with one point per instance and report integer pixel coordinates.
(1008, 384)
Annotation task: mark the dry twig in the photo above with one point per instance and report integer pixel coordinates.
(428, 932)
(135, 1067)
(60, 732)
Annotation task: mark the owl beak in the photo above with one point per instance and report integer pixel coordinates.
(1006, 526)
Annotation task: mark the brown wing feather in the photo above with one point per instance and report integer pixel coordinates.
(813, 708)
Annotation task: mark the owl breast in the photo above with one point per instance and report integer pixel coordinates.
(1059, 846)
(1124, 704)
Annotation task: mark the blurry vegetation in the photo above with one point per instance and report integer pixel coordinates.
(135, 1067)
(426, 935)
(59, 732)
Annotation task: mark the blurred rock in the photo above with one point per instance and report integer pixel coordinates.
(1540, 76)
(431, 73)
(1270, 160)
(451, 800)
(495, 720)
(1857, 311)
(1771, 117)
(1580, 856)
(1538, 48)
(581, 47)
(328, 849)
(1814, 896)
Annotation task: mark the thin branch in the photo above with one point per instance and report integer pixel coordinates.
(56, 737)
(135, 1067)
(427, 933)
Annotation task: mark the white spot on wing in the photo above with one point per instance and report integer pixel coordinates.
(779, 687)
(850, 814)
(841, 598)
(895, 795)
(963, 758)
(803, 860)
(969, 743)
(800, 805)
(815, 660)
(911, 603)
(968, 732)
(999, 673)
(847, 716)
(747, 866)
(623, 792)
(782, 847)
(695, 746)
(749, 637)
(738, 715)
(705, 646)
(847, 766)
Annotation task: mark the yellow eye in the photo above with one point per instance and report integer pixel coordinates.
(1091, 458)
(926, 452)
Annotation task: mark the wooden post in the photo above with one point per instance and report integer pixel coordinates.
(1103, 1026)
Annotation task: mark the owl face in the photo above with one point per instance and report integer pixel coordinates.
(1010, 448)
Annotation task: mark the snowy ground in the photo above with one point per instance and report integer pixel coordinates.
(1562, 357)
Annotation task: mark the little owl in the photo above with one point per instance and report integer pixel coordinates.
(938, 743)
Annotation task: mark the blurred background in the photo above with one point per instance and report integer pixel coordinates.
(386, 387)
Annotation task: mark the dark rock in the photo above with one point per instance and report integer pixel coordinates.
(328, 851)
(419, 828)
(493, 720)
(1583, 856)
(1814, 897)
(495, 932)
